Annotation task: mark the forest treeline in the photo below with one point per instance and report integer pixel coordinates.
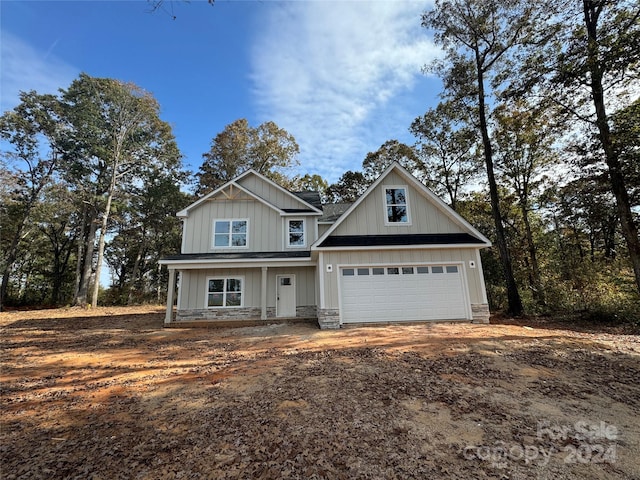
(535, 140)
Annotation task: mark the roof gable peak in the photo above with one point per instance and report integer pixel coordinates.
(418, 186)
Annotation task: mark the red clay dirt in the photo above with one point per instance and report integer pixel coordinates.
(109, 394)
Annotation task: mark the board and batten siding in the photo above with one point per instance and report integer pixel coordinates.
(403, 257)
(271, 194)
(193, 285)
(369, 217)
(265, 225)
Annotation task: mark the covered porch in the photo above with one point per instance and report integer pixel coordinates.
(240, 288)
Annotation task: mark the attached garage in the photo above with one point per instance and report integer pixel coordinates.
(399, 293)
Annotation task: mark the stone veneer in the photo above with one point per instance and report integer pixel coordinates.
(480, 312)
(329, 318)
(242, 313)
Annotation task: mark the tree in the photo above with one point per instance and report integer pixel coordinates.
(146, 229)
(349, 187)
(116, 132)
(626, 139)
(524, 136)
(450, 157)
(479, 38)
(390, 151)
(56, 219)
(31, 129)
(309, 182)
(585, 68)
(267, 149)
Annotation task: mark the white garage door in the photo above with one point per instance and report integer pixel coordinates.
(402, 293)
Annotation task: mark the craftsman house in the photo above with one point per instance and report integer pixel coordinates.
(253, 251)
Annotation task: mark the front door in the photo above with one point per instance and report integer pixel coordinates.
(286, 300)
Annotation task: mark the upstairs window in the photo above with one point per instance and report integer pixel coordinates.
(230, 233)
(295, 231)
(397, 205)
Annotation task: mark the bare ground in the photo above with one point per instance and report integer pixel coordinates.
(110, 394)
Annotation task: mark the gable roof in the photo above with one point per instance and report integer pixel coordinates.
(471, 232)
(308, 207)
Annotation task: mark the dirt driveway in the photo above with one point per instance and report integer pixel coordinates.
(110, 394)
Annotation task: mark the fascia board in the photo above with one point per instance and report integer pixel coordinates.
(284, 190)
(446, 209)
(238, 263)
(348, 211)
(258, 197)
(442, 246)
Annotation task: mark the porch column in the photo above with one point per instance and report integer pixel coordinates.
(263, 294)
(170, 289)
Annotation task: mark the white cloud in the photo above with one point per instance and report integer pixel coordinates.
(329, 73)
(24, 68)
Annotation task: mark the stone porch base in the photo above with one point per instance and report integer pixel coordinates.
(244, 316)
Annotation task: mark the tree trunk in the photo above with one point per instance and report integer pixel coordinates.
(513, 296)
(536, 284)
(136, 268)
(87, 264)
(101, 243)
(12, 254)
(616, 178)
(103, 234)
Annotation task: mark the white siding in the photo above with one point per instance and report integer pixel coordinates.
(366, 297)
(193, 285)
(268, 192)
(399, 257)
(265, 225)
(369, 217)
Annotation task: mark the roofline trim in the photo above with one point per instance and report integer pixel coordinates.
(420, 246)
(446, 209)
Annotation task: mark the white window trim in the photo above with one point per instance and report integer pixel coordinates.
(233, 277)
(304, 232)
(384, 202)
(231, 220)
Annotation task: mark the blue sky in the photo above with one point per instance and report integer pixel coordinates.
(341, 76)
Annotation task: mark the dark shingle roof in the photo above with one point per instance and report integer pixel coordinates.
(238, 256)
(311, 197)
(393, 240)
(332, 211)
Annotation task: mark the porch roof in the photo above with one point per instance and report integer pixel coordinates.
(238, 259)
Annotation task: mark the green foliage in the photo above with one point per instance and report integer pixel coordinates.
(97, 148)
(375, 163)
(267, 149)
(348, 188)
(449, 149)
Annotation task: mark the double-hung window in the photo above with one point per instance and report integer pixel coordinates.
(295, 233)
(224, 292)
(397, 205)
(230, 233)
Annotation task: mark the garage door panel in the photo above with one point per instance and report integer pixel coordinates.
(403, 297)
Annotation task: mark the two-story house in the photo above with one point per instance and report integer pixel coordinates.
(253, 251)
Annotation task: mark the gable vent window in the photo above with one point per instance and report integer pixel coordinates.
(230, 233)
(296, 233)
(397, 205)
